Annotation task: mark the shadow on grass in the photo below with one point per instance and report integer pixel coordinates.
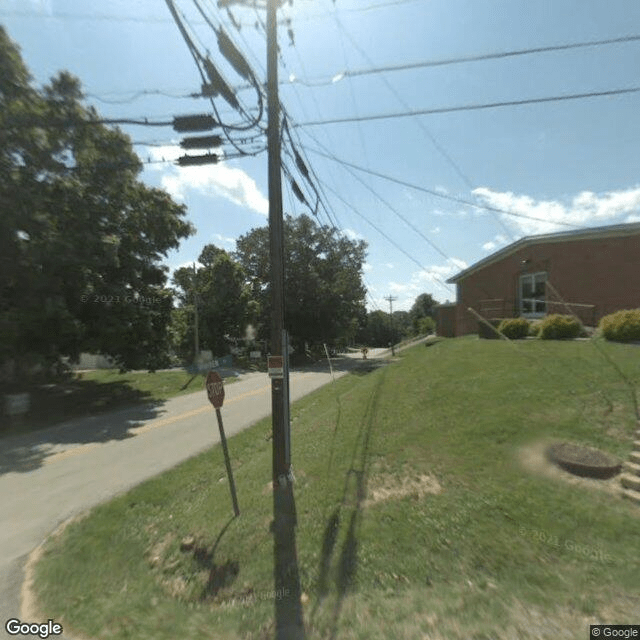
(220, 576)
(86, 412)
(353, 498)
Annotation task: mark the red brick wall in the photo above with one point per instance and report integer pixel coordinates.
(446, 321)
(602, 272)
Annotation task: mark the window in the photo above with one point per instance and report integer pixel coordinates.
(532, 294)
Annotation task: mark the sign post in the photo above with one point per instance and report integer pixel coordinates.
(215, 392)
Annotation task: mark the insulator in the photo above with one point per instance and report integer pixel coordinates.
(201, 142)
(199, 122)
(219, 85)
(207, 158)
(231, 53)
(297, 192)
(301, 165)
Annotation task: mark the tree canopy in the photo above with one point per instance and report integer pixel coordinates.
(223, 299)
(324, 292)
(82, 238)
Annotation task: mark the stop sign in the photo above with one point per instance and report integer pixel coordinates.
(215, 389)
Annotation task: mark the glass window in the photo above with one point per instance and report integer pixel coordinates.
(533, 294)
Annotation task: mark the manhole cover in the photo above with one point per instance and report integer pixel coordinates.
(583, 461)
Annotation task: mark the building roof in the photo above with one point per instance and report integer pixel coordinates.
(610, 231)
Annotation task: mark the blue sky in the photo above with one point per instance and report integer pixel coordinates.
(565, 163)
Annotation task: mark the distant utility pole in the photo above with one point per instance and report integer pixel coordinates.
(195, 310)
(390, 299)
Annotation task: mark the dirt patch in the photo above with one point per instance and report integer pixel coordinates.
(157, 551)
(387, 486)
(533, 458)
(29, 606)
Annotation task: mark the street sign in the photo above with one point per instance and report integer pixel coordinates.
(275, 366)
(215, 389)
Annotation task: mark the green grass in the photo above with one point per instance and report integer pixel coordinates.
(93, 392)
(498, 552)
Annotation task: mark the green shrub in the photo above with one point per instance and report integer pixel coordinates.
(559, 327)
(622, 326)
(534, 328)
(426, 325)
(514, 328)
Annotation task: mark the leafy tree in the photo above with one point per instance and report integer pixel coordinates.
(323, 280)
(82, 239)
(224, 302)
(402, 325)
(423, 307)
(377, 331)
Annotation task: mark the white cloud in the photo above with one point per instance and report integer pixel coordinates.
(352, 235)
(389, 265)
(218, 179)
(366, 267)
(634, 217)
(223, 240)
(435, 230)
(426, 279)
(492, 244)
(584, 209)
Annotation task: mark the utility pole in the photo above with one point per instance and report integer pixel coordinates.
(288, 606)
(195, 309)
(390, 299)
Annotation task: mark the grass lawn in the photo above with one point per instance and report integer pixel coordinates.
(92, 392)
(418, 517)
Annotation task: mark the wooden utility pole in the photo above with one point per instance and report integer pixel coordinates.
(390, 299)
(195, 310)
(288, 607)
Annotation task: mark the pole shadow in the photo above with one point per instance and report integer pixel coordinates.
(352, 502)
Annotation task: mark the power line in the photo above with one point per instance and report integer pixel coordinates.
(388, 238)
(435, 193)
(472, 58)
(471, 107)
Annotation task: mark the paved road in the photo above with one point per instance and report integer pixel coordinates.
(49, 476)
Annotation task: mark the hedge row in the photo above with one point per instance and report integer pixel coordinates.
(551, 327)
(622, 326)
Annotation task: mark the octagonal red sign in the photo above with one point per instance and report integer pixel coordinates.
(215, 389)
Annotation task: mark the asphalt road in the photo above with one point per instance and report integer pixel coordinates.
(50, 476)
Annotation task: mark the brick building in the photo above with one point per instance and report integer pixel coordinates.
(592, 272)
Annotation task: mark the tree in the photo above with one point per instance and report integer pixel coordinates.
(83, 238)
(377, 331)
(323, 280)
(223, 298)
(423, 307)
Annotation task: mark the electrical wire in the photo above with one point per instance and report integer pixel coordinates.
(498, 55)
(427, 132)
(472, 107)
(435, 193)
(389, 239)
